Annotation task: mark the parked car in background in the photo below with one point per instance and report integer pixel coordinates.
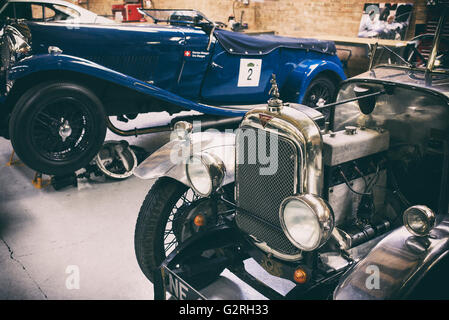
(61, 86)
(358, 210)
(49, 11)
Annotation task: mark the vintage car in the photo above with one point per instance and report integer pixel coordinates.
(357, 210)
(61, 85)
(49, 11)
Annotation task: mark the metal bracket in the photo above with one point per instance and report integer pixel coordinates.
(13, 162)
(40, 183)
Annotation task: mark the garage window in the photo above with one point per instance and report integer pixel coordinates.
(28, 11)
(37, 12)
(49, 14)
(54, 12)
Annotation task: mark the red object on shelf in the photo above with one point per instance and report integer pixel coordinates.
(128, 12)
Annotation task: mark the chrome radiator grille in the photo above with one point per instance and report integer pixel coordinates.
(259, 196)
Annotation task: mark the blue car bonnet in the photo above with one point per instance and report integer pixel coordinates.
(243, 44)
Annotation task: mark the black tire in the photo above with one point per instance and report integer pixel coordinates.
(320, 87)
(37, 119)
(151, 226)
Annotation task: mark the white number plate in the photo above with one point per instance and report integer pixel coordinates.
(249, 74)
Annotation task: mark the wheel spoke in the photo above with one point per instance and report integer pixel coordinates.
(167, 234)
(171, 244)
(51, 118)
(169, 237)
(47, 116)
(44, 123)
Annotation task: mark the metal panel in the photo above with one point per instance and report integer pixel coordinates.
(341, 147)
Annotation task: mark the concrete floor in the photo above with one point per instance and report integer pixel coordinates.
(46, 236)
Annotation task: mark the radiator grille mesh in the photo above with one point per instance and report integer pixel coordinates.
(261, 195)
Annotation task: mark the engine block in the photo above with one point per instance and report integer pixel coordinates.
(352, 159)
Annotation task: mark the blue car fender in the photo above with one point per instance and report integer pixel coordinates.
(60, 62)
(170, 160)
(304, 73)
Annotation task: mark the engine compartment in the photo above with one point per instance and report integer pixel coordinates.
(372, 176)
(355, 182)
(367, 170)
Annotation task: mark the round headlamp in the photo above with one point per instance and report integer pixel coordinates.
(307, 221)
(182, 129)
(205, 173)
(419, 220)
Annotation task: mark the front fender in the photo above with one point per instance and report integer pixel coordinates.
(397, 263)
(60, 62)
(170, 159)
(304, 73)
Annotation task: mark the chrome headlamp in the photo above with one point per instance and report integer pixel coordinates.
(182, 129)
(205, 173)
(307, 221)
(419, 220)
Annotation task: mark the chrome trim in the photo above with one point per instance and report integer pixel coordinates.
(428, 214)
(298, 127)
(211, 36)
(183, 129)
(305, 134)
(54, 50)
(120, 151)
(322, 211)
(286, 257)
(215, 168)
(17, 41)
(65, 130)
(161, 163)
(260, 244)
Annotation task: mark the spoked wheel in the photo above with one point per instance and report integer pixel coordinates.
(57, 128)
(320, 88)
(179, 227)
(59, 132)
(165, 220)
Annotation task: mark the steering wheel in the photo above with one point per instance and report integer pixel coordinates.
(414, 52)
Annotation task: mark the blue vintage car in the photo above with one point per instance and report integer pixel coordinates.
(61, 83)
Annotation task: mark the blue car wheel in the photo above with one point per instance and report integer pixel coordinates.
(57, 128)
(320, 88)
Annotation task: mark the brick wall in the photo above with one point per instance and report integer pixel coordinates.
(101, 7)
(285, 17)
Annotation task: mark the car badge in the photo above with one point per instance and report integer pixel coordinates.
(264, 118)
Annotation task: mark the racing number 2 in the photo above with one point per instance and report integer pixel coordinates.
(249, 73)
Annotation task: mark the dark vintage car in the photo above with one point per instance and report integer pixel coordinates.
(60, 83)
(358, 210)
